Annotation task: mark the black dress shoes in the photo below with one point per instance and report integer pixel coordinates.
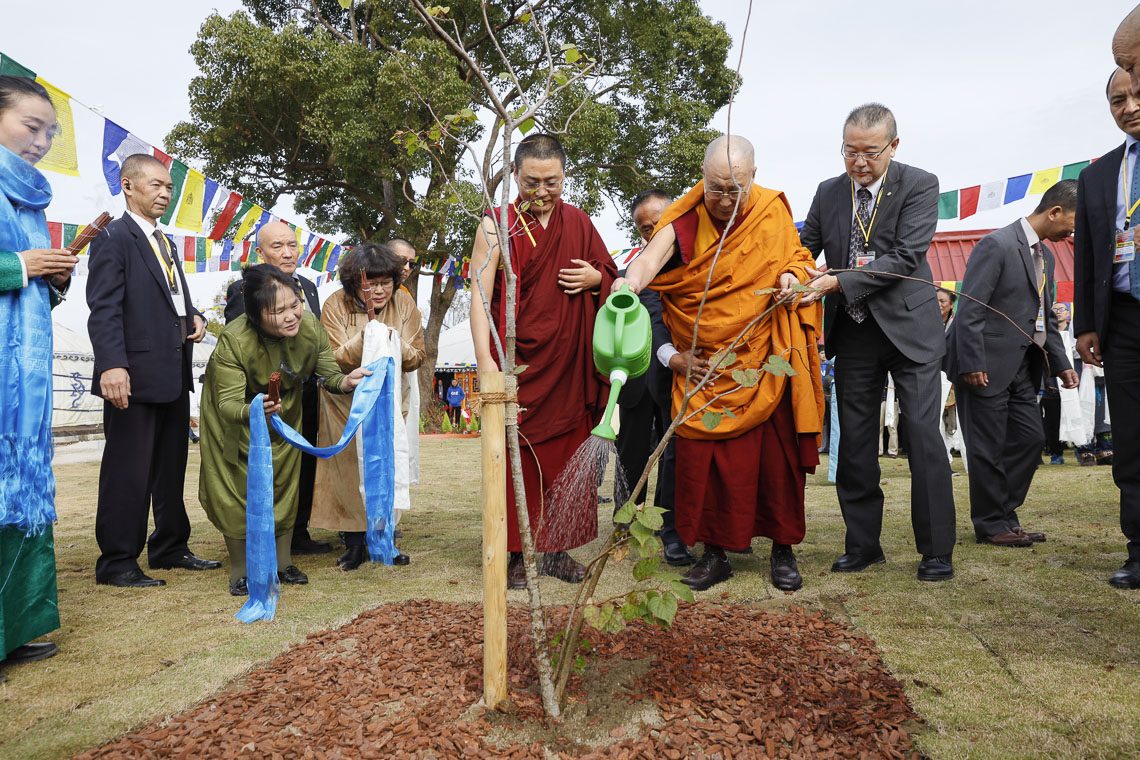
(1126, 577)
(240, 587)
(935, 569)
(712, 568)
(353, 558)
(130, 579)
(677, 554)
(401, 559)
(292, 575)
(785, 573)
(306, 545)
(187, 562)
(562, 566)
(31, 653)
(1006, 538)
(853, 563)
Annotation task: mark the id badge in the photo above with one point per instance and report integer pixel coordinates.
(865, 258)
(1039, 325)
(1125, 250)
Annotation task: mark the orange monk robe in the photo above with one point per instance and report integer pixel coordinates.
(746, 476)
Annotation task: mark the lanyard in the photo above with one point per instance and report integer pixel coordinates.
(866, 231)
(163, 256)
(1129, 206)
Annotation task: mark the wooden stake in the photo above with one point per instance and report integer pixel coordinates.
(493, 432)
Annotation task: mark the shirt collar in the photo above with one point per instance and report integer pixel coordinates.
(146, 225)
(1030, 233)
(1129, 141)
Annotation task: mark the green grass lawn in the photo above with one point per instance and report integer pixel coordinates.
(1026, 653)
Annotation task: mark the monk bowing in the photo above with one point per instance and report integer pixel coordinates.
(744, 476)
(563, 269)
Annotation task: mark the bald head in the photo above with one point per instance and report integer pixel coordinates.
(277, 245)
(404, 249)
(728, 171)
(1126, 47)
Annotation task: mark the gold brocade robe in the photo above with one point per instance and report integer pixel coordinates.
(336, 494)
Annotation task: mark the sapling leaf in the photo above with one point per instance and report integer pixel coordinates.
(645, 568)
(746, 377)
(778, 366)
(711, 419)
(521, 368)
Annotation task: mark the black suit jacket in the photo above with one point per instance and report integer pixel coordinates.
(235, 301)
(658, 379)
(1094, 242)
(133, 324)
(905, 220)
(1001, 273)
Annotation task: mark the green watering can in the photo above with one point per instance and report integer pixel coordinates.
(623, 343)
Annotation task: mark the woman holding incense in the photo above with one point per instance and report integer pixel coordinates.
(32, 276)
(275, 335)
(370, 276)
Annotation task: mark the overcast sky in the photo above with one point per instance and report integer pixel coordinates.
(982, 89)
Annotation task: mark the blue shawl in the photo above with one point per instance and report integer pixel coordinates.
(372, 413)
(27, 486)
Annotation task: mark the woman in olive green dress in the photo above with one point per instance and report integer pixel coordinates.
(274, 335)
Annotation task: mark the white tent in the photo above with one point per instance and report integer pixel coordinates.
(455, 347)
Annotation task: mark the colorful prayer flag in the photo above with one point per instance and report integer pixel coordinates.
(1072, 171)
(948, 205)
(1043, 180)
(968, 201)
(63, 157)
(55, 232)
(248, 221)
(178, 172)
(991, 195)
(10, 68)
(1016, 187)
(164, 158)
(226, 217)
(118, 143)
(190, 207)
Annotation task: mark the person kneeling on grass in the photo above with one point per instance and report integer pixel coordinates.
(274, 335)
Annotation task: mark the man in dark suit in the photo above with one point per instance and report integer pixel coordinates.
(277, 245)
(999, 356)
(1106, 309)
(874, 221)
(143, 327)
(646, 401)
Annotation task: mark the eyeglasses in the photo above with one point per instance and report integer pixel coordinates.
(550, 184)
(851, 155)
(715, 193)
(368, 287)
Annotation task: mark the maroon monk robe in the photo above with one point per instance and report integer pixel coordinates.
(560, 394)
(729, 491)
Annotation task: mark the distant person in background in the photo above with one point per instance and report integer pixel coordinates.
(455, 396)
(143, 327)
(370, 277)
(999, 357)
(1051, 397)
(275, 334)
(646, 402)
(32, 280)
(277, 245)
(406, 252)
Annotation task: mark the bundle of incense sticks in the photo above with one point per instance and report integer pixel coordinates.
(89, 232)
(273, 395)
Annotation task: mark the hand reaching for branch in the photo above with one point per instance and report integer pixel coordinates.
(822, 283)
(679, 361)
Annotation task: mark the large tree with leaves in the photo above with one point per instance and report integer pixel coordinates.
(310, 99)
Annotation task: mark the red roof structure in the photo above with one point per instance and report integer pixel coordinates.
(949, 252)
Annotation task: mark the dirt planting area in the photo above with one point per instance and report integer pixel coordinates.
(404, 680)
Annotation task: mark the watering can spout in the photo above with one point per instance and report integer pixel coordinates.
(605, 428)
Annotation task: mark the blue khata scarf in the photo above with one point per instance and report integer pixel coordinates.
(373, 407)
(27, 486)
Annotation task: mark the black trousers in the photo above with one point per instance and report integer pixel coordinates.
(642, 425)
(1121, 353)
(144, 464)
(865, 356)
(1051, 416)
(310, 421)
(1003, 435)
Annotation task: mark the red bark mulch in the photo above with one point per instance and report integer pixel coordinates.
(400, 681)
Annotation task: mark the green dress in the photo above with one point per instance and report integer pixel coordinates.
(28, 606)
(238, 370)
